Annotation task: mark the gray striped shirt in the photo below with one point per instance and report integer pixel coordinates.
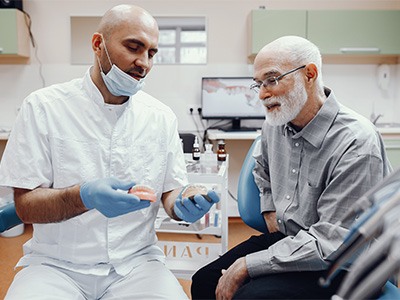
(311, 178)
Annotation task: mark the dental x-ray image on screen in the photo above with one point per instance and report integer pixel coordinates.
(230, 98)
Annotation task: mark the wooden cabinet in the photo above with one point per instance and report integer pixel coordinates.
(355, 36)
(14, 37)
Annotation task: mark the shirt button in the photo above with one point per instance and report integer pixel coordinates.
(279, 221)
(287, 197)
(297, 144)
(293, 171)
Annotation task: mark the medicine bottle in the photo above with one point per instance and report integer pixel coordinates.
(221, 152)
(196, 149)
(208, 160)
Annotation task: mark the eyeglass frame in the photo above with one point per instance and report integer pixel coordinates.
(256, 87)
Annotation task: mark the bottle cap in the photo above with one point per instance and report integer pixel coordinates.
(196, 142)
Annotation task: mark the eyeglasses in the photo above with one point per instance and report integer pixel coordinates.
(272, 81)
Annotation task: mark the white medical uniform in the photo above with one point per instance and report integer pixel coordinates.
(64, 135)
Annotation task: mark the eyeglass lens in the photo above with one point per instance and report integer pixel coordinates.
(272, 81)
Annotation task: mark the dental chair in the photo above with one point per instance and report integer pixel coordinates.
(10, 223)
(248, 193)
(249, 210)
(8, 217)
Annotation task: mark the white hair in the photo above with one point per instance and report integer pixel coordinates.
(297, 51)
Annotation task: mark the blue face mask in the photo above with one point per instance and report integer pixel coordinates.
(118, 82)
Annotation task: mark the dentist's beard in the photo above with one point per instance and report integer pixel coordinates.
(290, 106)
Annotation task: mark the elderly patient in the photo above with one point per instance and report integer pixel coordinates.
(75, 151)
(316, 157)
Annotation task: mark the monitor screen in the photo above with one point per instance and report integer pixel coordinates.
(230, 98)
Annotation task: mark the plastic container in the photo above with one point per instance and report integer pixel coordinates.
(208, 160)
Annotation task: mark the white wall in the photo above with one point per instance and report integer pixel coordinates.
(177, 86)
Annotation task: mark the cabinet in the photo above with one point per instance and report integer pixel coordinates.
(343, 36)
(392, 146)
(355, 32)
(14, 37)
(183, 256)
(268, 25)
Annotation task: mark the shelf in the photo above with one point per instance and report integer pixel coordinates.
(215, 134)
(211, 227)
(185, 257)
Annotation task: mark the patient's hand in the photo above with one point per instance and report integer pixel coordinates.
(270, 220)
(232, 279)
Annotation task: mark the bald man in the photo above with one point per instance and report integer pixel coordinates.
(316, 157)
(75, 151)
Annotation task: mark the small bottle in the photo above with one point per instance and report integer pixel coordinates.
(221, 152)
(208, 160)
(196, 149)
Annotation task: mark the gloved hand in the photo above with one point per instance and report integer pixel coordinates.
(192, 208)
(102, 195)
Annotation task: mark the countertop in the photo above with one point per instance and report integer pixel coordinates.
(388, 128)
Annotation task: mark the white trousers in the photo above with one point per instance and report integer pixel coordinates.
(150, 280)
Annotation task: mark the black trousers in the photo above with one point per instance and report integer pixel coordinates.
(289, 285)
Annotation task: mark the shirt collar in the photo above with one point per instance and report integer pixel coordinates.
(315, 131)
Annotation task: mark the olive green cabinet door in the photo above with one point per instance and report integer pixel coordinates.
(392, 147)
(8, 31)
(355, 32)
(268, 25)
(14, 35)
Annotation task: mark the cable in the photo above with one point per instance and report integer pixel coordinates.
(232, 196)
(375, 256)
(369, 226)
(197, 127)
(28, 22)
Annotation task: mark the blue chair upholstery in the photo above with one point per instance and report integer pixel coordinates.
(390, 292)
(249, 195)
(8, 217)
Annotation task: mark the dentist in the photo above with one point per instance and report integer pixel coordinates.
(75, 150)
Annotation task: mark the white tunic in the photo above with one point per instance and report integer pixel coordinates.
(64, 135)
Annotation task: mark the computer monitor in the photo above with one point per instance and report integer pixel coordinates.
(230, 98)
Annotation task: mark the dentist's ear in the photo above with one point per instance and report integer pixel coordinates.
(97, 41)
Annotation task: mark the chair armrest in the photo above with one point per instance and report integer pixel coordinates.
(8, 217)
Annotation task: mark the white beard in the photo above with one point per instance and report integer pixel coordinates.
(291, 105)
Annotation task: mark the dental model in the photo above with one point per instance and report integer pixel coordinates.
(144, 192)
(191, 190)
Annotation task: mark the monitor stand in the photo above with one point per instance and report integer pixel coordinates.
(236, 127)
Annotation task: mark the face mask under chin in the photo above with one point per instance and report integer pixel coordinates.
(121, 84)
(117, 81)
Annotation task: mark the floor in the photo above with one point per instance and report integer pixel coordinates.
(11, 250)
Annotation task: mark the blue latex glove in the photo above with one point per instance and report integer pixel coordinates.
(193, 208)
(102, 195)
